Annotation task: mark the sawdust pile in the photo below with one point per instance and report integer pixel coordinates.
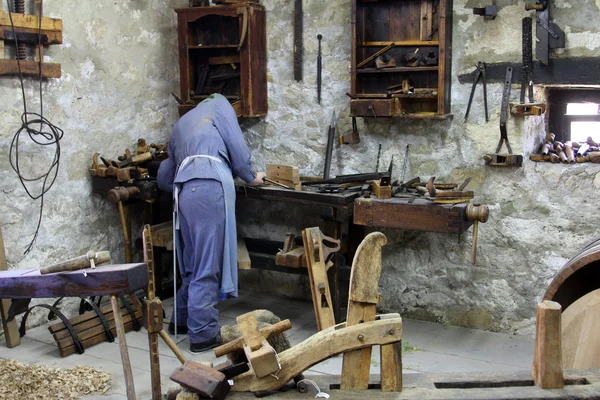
(21, 381)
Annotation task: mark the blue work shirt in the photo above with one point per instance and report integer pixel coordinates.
(211, 129)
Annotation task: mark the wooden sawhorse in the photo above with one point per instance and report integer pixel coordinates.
(110, 280)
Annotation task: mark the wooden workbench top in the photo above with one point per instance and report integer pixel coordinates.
(100, 281)
(420, 215)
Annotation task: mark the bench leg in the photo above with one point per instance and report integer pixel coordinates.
(123, 347)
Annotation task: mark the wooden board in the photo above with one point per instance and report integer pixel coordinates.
(29, 68)
(321, 346)
(11, 330)
(547, 357)
(101, 281)
(31, 22)
(244, 261)
(580, 327)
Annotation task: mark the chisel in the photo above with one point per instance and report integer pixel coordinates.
(277, 183)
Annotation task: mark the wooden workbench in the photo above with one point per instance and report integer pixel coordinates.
(335, 209)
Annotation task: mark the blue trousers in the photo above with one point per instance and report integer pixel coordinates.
(202, 230)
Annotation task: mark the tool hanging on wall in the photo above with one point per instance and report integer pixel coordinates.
(487, 12)
(298, 44)
(329, 150)
(529, 108)
(548, 34)
(319, 67)
(510, 159)
(351, 137)
(479, 74)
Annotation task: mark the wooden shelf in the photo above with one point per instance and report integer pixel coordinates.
(417, 27)
(395, 69)
(405, 43)
(214, 46)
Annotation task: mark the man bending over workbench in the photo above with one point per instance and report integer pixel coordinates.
(206, 150)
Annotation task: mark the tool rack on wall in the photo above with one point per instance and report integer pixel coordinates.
(412, 77)
(222, 49)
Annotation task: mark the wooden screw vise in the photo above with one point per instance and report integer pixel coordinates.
(477, 213)
(121, 193)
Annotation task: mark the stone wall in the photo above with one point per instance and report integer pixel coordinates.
(119, 65)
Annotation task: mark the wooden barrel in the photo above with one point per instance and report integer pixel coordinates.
(579, 276)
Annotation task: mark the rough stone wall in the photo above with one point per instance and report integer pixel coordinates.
(537, 212)
(119, 64)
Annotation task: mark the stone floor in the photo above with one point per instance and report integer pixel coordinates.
(428, 347)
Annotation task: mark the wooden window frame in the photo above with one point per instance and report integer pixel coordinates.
(558, 98)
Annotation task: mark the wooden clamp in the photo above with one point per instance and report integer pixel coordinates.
(316, 256)
(29, 31)
(261, 356)
(362, 307)
(386, 329)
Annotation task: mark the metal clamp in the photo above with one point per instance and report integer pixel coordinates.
(76, 342)
(109, 335)
(134, 321)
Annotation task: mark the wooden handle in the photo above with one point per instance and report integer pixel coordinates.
(238, 344)
(80, 262)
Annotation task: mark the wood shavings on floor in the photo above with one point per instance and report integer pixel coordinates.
(20, 381)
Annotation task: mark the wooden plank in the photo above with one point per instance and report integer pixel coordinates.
(219, 60)
(319, 282)
(280, 171)
(362, 307)
(101, 281)
(391, 367)
(547, 357)
(11, 330)
(426, 20)
(30, 21)
(244, 261)
(29, 68)
(580, 327)
(321, 346)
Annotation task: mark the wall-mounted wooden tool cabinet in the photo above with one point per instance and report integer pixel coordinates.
(223, 49)
(401, 53)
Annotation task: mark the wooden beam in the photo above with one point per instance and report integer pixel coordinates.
(29, 68)
(244, 261)
(30, 21)
(101, 281)
(559, 71)
(547, 356)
